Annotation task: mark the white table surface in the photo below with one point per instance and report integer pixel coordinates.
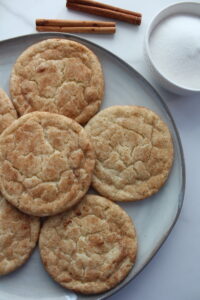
(174, 273)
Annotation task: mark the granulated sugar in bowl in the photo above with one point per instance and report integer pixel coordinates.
(173, 47)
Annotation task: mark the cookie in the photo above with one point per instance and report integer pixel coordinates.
(90, 248)
(7, 111)
(46, 163)
(134, 152)
(18, 237)
(59, 76)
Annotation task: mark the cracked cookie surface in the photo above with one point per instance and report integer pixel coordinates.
(90, 248)
(134, 152)
(46, 163)
(58, 76)
(7, 111)
(18, 236)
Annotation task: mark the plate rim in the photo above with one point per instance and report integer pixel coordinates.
(169, 115)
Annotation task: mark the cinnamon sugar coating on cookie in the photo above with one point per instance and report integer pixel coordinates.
(7, 111)
(18, 236)
(46, 163)
(58, 76)
(91, 248)
(134, 152)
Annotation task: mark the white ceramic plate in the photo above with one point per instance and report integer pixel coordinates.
(153, 217)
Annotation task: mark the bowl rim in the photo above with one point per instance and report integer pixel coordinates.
(147, 47)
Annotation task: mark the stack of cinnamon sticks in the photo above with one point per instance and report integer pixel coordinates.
(92, 7)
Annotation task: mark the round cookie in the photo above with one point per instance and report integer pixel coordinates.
(90, 248)
(18, 237)
(58, 76)
(134, 152)
(7, 111)
(46, 163)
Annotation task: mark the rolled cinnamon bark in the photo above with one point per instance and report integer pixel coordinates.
(106, 6)
(106, 30)
(105, 13)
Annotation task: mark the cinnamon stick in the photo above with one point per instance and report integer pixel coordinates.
(106, 6)
(73, 23)
(105, 13)
(106, 30)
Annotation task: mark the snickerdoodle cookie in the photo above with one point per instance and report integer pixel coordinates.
(59, 76)
(18, 236)
(46, 163)
(7, 111)
(134, 152)
(90, 248)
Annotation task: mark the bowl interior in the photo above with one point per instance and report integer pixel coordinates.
(183, 8)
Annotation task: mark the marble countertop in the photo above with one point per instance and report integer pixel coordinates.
(174, 272)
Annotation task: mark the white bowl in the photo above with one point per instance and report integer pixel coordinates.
(188, 8)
